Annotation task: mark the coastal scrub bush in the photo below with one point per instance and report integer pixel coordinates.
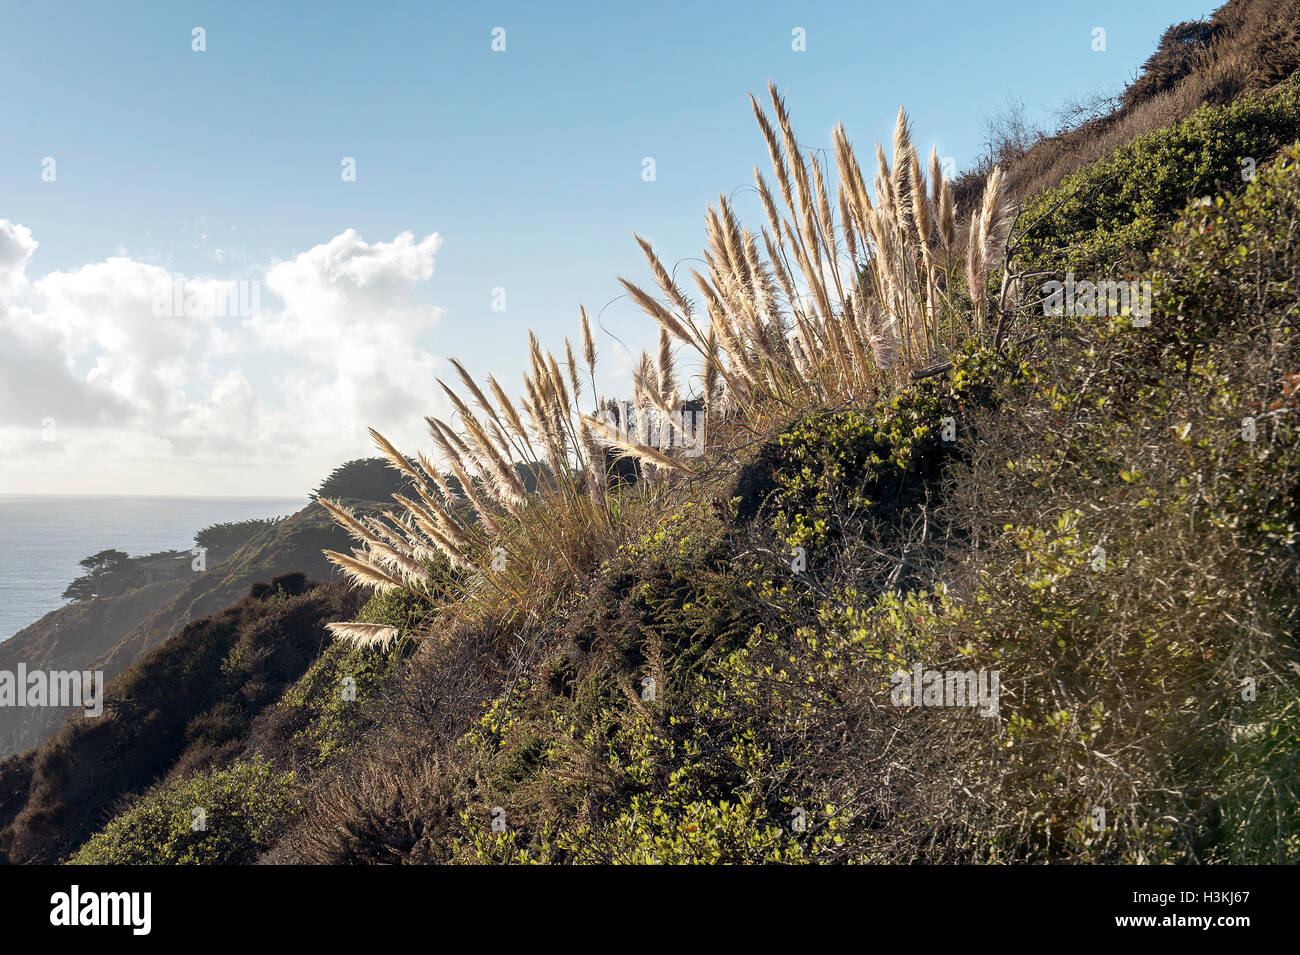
(1111, 213)
(218, 817)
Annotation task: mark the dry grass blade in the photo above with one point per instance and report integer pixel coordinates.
(588, 344)
(364, 573)
(348, 520)
(395, 458)
(651, 307)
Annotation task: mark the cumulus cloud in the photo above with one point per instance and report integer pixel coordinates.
(16, 248)
(259, 383)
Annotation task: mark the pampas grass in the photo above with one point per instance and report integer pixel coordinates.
(830, 309)
(988, 233)
(840, 298)
(375, 635)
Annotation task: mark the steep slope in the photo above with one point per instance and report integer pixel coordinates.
(1083, 511)
(110, 633)
(1102, 534)
(184, 706)
(71, 638)
(1244, 46)
(294, 544)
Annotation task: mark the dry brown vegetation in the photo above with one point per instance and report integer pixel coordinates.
(1244, 45)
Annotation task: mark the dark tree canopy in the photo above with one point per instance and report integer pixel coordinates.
(366, 479)
(227, 537)
(101, 568)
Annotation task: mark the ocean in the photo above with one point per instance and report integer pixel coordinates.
(43, 537)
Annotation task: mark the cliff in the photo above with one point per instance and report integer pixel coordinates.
(110, 633)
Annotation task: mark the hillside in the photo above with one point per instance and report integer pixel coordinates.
(70, 638)
(110, 633)
(294, 544)
(177, 710)
(1244, 47)
(988, 550)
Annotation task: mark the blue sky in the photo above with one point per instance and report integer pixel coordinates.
(526, 164)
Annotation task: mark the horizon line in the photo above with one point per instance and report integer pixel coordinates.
(194, 497)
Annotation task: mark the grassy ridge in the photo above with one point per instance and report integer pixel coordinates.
(702, 666)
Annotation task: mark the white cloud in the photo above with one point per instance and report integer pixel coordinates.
(16, 248)
(199, 400)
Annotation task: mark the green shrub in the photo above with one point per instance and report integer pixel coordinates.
(212, 818)
(396, 608)
(1112, 212)
(331, 705)
(831, 472)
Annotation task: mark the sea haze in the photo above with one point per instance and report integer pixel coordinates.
(42, 537)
